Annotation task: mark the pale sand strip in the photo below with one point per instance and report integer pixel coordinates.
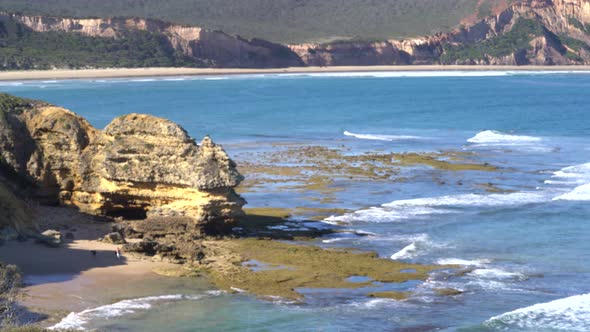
(155, 72)
(71, 278)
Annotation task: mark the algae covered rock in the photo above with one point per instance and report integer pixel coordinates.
(139, 166)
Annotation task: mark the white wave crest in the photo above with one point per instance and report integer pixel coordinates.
(407, 252)
(382, 137)
(567, 314)
(459, 261)
(78, 320)
(571, 175)
(491, 273)
(496, 137)
(421, 207)
(580, 193)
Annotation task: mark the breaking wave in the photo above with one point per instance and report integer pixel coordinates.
(577, 175)
(496, 137)
(580, 193)
(382, 137)
(407, 252)
(78, 320)
(567, 314)
(422, 207)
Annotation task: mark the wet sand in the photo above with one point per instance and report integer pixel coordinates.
(155, 72)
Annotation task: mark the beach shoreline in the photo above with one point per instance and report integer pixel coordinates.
(61, 74)
(70, 278)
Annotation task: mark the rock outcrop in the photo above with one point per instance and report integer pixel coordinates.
(139, 166)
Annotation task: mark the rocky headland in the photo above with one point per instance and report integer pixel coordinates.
(144, 185)
(139, 166)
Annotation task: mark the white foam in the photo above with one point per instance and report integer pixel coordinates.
(407, 252)
(567, 314)
(386, 74)
(580, 193)
(496, 137)
(571, 175)
(491, 273)
(458, 261)
(144, 80)
(382, 137)
(422, 207)
(78, 320)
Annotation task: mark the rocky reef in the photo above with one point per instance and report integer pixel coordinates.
(139, 166)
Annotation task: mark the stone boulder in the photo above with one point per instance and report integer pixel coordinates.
(50, 238)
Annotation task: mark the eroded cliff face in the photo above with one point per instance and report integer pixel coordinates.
(538, 32)
(139, 166)
(211, 48)
(556, 32)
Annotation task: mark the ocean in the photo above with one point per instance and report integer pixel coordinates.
(522, 231)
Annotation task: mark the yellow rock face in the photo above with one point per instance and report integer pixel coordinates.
(139, 166)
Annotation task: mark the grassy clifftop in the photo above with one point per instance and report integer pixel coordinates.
(284, 21)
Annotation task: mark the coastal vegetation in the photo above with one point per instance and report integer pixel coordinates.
(22, 48)
(279, 21)
(579, 25)
(518, 38)
(10, 284)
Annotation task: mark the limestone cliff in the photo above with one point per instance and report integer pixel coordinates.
(205, 47)
(541, 32)
(139, 166)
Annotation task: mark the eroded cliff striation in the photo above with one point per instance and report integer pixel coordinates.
(139, 166)
(537, 32)
(200, 47)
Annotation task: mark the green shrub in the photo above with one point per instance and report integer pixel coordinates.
(518, 38)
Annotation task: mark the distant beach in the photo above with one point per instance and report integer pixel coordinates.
(155, 72)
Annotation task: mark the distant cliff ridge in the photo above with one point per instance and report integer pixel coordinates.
(177, 45)
(537, 32)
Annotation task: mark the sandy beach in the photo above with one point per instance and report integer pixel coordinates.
(155, 72)
(71, 278)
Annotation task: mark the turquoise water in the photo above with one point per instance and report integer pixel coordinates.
(527, 247)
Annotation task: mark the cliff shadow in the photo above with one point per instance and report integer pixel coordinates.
(78, 252)
(41, 264)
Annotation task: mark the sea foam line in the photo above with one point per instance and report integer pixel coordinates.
(78, 320)
(423, 207)
(379, 137)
